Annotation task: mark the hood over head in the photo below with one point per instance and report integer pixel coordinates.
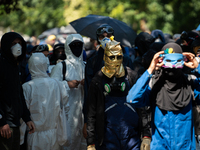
(156, 46)
(158, 34)
(37, 65)
(69, 52)
(6, 42)
(143, 41)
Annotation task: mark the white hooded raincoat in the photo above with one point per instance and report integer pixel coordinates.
(75, 70)
(44, 97)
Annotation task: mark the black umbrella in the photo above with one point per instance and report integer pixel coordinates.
(67, 30)
(58, 31)
(48, 32)
(88, 25)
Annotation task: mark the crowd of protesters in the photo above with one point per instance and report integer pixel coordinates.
(100, 95)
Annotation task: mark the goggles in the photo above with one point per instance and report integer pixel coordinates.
(107, 29)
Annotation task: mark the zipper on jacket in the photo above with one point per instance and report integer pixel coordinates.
(128, 105)
(110, 107)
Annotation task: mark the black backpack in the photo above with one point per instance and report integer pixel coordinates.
(64, 69)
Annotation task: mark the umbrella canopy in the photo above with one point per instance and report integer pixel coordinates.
(67, 30)
(54, 31)
(88, 25)
(57, 31)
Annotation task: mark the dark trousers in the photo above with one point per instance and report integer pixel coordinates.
(13, 143)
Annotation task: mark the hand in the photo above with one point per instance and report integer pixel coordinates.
(5, 131)
(91, 147)
(73, 83)
(145, 145)
(82, 82)
(156, 62)
(192, 62)
(84, 130)
(31, 127)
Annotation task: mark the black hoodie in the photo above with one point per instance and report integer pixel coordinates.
(12, 102)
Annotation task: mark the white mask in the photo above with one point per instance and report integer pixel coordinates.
(158, 40)
(16, 50)
(104, 41)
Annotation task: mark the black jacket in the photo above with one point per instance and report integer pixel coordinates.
(94, 64)
(12, 102)
(95, 106)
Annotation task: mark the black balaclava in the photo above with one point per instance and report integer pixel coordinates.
(156, 46)
(76, 47)
(143, 41)
(172, 90)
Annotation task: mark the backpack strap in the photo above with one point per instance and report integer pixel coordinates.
(64, 69)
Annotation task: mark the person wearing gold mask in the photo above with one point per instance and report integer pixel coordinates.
(111, 122)
(104, 34)
(113, 57)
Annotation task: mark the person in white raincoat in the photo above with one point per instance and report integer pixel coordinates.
(44, 97)
(74, 75)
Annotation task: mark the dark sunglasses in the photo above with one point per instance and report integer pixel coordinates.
(108, 30)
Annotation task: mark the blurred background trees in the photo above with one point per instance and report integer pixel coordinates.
(35, 16)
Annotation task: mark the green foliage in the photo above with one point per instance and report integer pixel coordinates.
(6, 6)
(35, 16)
(170, 16)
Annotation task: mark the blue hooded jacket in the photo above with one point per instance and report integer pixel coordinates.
(170, 129)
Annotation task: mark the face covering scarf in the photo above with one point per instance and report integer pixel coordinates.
(76, 48)
(172, 89)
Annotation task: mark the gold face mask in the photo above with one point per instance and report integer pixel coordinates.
(113, 58)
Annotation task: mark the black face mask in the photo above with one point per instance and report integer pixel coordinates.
(76, 47)
(60, 56)
(172, 73)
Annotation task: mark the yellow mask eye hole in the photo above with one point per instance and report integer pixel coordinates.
(119, 57)
(112, 57)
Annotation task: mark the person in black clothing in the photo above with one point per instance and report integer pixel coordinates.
(12, 102)
(58, 53)
(112, 123)
(186, 40)
(142, 45)
(94, 64)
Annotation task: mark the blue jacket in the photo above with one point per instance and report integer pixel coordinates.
(171, 130)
